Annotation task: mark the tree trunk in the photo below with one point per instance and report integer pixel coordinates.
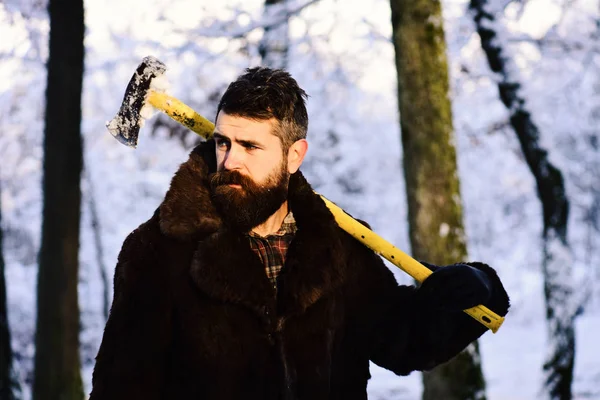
(57, 363)
(8, 385)
(432, 186)
(274, 45)
(557, 260)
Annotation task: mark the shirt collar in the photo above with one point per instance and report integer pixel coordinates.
(288, 226)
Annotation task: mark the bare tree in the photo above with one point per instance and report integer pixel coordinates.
(8, 384)
(274, 45)
(99, 247)
(432, 185)
(557, 260)
(57, 364)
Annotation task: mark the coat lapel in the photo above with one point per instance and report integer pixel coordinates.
(315, 260)
(224, 267)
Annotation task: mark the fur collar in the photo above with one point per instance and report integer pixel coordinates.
(224, 266)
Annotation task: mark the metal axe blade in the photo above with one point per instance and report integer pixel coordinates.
(126, 125)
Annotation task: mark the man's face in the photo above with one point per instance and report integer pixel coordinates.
(247, 146)
(252, 171)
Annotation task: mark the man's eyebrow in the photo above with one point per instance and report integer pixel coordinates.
(251, 143)
(243, 142)
(217, 135)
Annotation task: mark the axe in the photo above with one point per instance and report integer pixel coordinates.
(143, 90)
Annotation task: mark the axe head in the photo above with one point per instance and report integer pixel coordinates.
(126, 125)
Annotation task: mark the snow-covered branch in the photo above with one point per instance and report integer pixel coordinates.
(374, 31)
(565, 45)
(233, 30)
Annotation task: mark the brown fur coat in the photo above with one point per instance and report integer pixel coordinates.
(194, 315)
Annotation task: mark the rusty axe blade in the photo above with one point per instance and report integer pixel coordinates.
(126, 125)
(141, 92)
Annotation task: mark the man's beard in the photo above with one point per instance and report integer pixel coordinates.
(248, 206)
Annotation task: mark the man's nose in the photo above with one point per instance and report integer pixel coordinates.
(233, 158)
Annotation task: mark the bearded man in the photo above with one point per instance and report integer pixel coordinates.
(242, 285)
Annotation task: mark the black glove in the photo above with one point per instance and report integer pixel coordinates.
(455, 288)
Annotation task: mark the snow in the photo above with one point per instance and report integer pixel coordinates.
(538, 16)
(344, 59)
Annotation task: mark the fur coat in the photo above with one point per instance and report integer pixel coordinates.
(195, 317)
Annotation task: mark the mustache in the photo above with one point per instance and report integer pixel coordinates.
(229, 178)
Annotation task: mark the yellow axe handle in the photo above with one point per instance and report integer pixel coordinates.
(402, 260)
(189, 118)
(181, 113)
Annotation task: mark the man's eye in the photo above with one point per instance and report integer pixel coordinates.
(250, 147)
(222, 144)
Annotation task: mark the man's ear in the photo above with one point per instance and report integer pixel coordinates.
(296, 154)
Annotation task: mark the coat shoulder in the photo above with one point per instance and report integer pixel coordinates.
(365, 268)
(140, 253)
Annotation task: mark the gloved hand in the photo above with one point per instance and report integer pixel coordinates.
(455, 288)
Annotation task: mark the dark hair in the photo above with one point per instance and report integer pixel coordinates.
(263, 93)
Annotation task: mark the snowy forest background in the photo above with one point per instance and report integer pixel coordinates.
(341, 53)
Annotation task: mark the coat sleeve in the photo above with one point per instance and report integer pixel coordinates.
(404, 335)
(133, 355)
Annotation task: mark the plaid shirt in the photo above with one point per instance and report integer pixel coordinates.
(272, 249)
